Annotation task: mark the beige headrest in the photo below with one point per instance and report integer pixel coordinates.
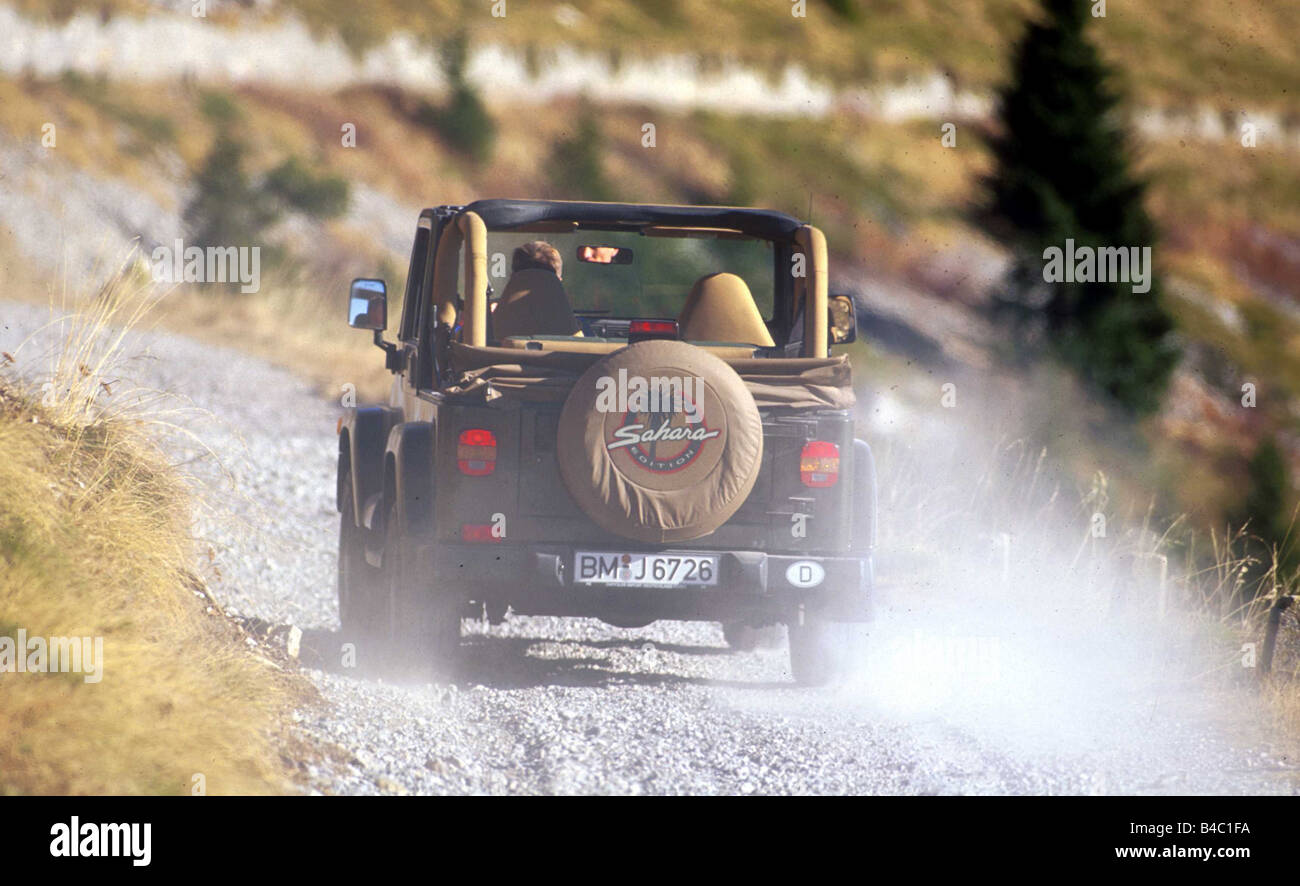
(534, 303)
(720, 308)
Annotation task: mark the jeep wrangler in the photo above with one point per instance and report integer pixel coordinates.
(651, 428)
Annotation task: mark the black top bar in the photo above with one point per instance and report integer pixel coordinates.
(764, 223)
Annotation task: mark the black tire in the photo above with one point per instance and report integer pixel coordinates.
(423, 624)
(824, 652)
(362, 589)
(740, 636)
(746, 638)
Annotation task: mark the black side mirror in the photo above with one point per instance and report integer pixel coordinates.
(843, 323)
(368, 304)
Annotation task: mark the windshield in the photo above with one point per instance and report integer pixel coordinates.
(634, 275)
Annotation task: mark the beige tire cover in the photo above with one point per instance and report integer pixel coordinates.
(660, 476)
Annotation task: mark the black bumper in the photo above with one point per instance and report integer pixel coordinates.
(752, 585)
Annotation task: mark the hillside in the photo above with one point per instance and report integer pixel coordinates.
(1226, 55)
(891, 198)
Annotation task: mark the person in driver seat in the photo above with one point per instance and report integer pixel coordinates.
(537, 254)
(534, 301)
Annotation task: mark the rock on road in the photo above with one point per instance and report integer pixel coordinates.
(574, 706)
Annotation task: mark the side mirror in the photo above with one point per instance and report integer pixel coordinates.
(843, 324)
(368, 305)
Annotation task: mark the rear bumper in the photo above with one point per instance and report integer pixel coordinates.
(752, 586)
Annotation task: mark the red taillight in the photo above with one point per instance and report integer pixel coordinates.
(477, 532)
(477, 453)
(819, 464)
(643, 329)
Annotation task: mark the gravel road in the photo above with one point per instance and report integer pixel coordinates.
(957, 697)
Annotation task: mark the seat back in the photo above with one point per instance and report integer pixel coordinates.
(533, 303)
(721, 309)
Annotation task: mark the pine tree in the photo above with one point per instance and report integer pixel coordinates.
(577, 171)
(464, 121)
(1062, 170)
(227, 209)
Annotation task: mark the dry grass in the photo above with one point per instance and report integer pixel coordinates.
(298, 326)
(95, 542)
(967, 510)
(291, 326)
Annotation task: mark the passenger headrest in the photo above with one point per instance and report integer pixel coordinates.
(720, 308)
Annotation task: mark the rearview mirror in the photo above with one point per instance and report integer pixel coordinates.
(843, 323)
(605, 255)
(368, 304)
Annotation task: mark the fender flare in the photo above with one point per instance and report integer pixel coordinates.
(408, 472)
(362, 440)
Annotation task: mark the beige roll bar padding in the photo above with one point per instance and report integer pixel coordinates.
(811, 290)
(467, 228)
(445, 279)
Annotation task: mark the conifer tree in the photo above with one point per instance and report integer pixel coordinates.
(1063, 171)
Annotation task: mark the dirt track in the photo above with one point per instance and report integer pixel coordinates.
(558, 706)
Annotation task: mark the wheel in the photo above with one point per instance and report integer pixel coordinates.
(423, 624)
(740, 636)
(823, 651)
(362, 588)
(746, 638)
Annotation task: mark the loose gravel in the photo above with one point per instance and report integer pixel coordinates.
(567, 706)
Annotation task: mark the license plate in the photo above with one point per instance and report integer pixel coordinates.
(645, 570)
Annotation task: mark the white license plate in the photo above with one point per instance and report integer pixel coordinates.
(644, 570)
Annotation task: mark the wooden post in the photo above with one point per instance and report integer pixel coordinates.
(1280, 605)
(1123, 580)
(1162, 600)
(1006, 561)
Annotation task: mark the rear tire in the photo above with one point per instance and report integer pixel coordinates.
(824, 652)
(746, 638)
(362, 588)
(423, 624)
(740, 636)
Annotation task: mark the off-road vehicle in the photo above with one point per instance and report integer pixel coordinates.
(655, 429)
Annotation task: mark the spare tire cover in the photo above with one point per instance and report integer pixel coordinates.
(659, 442)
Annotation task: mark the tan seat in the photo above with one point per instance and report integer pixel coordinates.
(534, 303)
(721, 309)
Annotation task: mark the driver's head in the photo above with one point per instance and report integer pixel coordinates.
(537, 254)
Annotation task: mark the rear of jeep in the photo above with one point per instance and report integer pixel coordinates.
(659, 432)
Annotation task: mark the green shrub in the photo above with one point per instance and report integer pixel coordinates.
(297, 187)
(464, 122)
(232, 208)
(227, 208)
(577, 172)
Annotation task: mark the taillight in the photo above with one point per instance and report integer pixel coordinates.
(819, 464)
(477, 532)
(641, 330)
(477, 453)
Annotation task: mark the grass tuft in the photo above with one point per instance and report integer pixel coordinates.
(95, 541)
